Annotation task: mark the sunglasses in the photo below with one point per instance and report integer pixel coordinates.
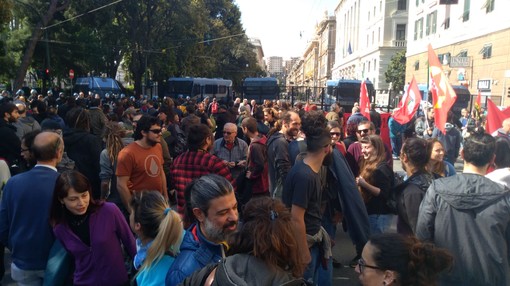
(334, 133)
(155, 131)
(228, 132)
(363, 131)
(362, 265)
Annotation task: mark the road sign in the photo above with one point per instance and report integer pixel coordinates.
(71, 74)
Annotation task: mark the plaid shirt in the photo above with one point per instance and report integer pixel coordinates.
(190, 165)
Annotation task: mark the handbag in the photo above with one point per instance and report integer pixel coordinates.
(58, 265)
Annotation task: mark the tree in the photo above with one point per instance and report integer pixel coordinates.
(396, 72)
(50, 9)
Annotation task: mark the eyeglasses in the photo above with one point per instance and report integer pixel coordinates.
(24, 150)
(334, 133)
(362, 265)
(228, 132)
(363, 130)
(155, 131)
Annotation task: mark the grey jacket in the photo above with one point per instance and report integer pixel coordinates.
(469, 215)
(279, 163)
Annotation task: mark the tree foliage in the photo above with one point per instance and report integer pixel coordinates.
(396, 72)
(152, 39)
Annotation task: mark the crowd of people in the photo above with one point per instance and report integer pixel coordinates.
(187, 192)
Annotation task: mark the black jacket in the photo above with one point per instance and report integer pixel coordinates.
(10, 146)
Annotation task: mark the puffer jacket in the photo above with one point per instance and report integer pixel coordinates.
(408, 203)
(469, 215)
(195, 253)
(243, 270)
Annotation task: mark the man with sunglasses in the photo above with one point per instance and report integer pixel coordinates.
(354, 154)
(140, 164)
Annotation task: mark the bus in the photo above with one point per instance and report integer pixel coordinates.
(97, 85)
(346, 92)
(198, 88)
(462, 101)
(260, 89)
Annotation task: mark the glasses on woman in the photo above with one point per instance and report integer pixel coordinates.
(334, 134)
(362, 265)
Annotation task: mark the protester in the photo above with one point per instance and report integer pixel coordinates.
(159, 232)
(24, 209)
(414, 158)
(437, 165)
(375, 182)
(392, 259)
(469, 215)
(336, 135)
(305, 194)
(211, 207)
(108, 162)
(263, 252)
(501, 174)
(95, 233)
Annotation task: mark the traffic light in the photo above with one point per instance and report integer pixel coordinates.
(47, 74)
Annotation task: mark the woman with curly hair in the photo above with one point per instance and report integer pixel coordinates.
(375, 182)
(392, 259)
(263, 252)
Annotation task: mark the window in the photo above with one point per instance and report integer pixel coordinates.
(462, 53)
(444, 59)
(418, 29)
(369, 16)
(431, 23)
(446, 23)
(465, 15)
(401, 32)
(402, 5)
(489, 6)
(416, 65)
(417, 3)
(486, 51)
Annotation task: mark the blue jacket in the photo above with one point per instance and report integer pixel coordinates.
(195, 253)
(24, 213)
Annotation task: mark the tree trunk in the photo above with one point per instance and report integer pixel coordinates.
(36, 36)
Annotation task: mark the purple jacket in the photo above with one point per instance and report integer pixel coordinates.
(102, 262)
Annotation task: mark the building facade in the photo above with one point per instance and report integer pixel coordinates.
(275, 66)
(259, 52)
(368, 34)
(326, 35)
(471, 39)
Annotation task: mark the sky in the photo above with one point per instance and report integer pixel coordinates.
(284, 27)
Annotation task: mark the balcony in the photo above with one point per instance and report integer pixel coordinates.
(400, 43)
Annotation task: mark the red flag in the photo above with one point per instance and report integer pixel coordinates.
(445, 96)
(409, 103)
(364, 101)
(479, 100)
(495, 117)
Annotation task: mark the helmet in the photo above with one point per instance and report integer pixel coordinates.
(122, 95)
(20, 92)
(33, 91)
(107, 95)
(50, 92)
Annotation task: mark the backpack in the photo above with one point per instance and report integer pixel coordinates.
(396, 192)
(176, 142)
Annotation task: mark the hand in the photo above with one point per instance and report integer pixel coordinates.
(231, 164)
(241, 163)
(360, 181)
(248, 174)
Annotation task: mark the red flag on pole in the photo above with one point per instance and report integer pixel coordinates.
(479, 99)
(364, 101)
(445, 96)
(409, 103)
(495, 117)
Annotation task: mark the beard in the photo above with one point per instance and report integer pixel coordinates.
(328, 159)
(152, 142)
(215, 233)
